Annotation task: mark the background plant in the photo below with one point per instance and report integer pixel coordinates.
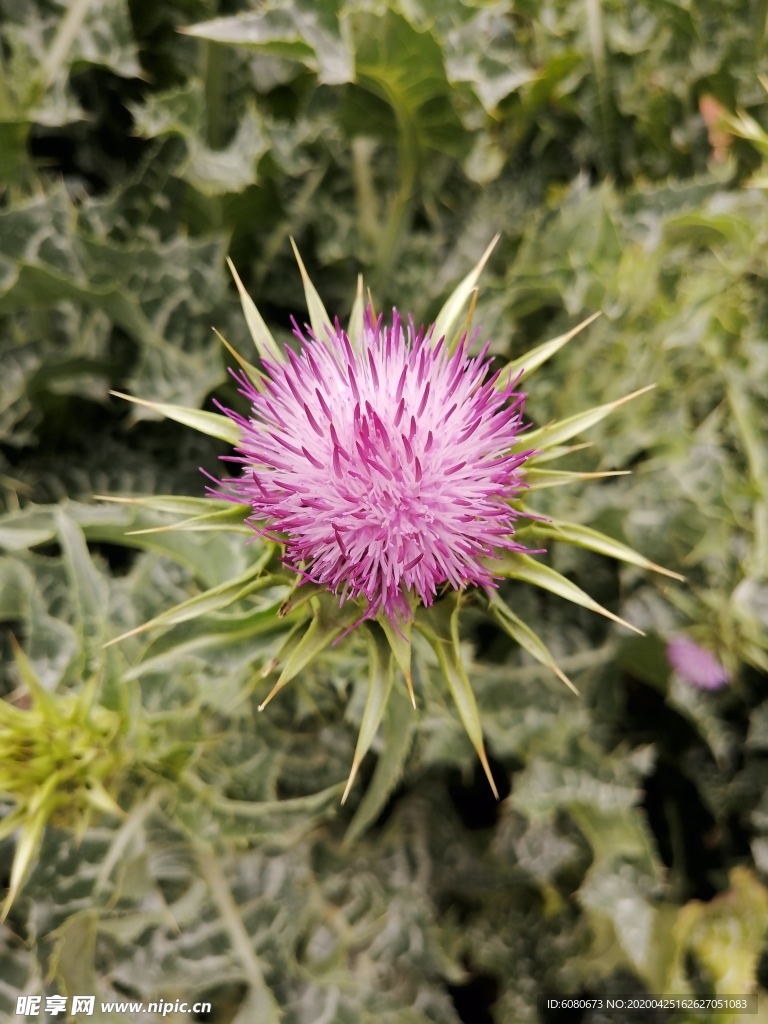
(391, 140)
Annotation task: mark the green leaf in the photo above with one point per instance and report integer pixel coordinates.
(593, 540)
(400, 725)
(522, 567)
(264, 811)
(532, 360)
(211, 423)
(48, 257)
(440, 626)
(299, 30)
(74, 952)
(555, 433)
(379, 688)
(449, 315)
(405, 67)
(265, 344)
(318, 317)
(301, 594)
(603, 78)
(522, 634)
(558, 452)
(14, 157)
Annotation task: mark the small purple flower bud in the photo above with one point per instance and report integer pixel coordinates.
(696, 665)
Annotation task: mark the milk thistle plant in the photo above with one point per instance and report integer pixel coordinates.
(60, 761)
(388, 468)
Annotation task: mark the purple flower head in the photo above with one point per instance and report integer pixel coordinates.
(386, 466)
(696, 665)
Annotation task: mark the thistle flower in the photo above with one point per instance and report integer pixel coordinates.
(386, 463)
(387, 466)
(696, 665)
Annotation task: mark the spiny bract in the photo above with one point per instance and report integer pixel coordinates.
(386, 467)
(696, 665)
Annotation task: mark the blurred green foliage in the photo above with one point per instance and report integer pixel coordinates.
(630, 851)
